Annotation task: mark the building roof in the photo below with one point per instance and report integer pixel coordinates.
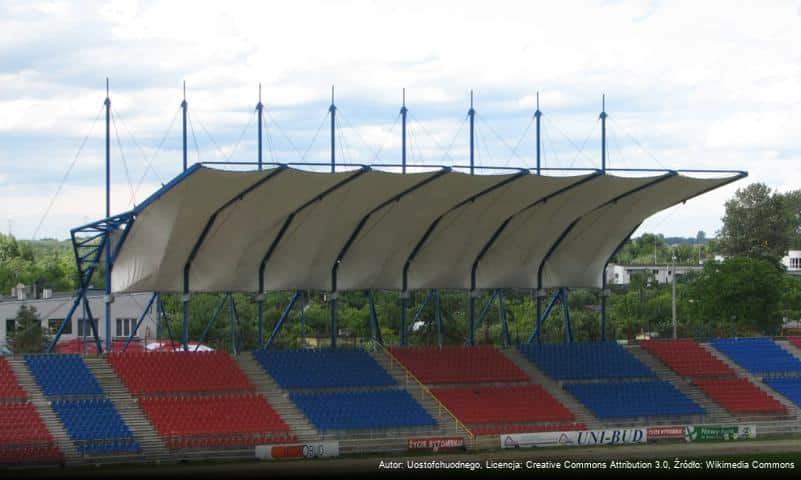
(224, 230)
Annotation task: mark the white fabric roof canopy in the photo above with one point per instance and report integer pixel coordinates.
(377, 228)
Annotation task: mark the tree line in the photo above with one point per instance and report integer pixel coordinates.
(748, 293)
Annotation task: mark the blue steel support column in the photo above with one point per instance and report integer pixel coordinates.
(333, 111)
(234, 321)
(403, 294)
(185, 297)
(212, 320)
(107, 299)
(139, 322)
(504, 324)
(538, 117)
(95, 332)
(566, 309)
(604, 292)
(603, 133)
(259, 110)
(375, 328)
(333, 306)
(535, 335)
(471, 299)
(280, 322)
(438, 317)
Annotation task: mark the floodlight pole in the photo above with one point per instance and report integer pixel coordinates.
(603, 133)
(471, 294)
(259, 110)
(185, 297)
(108, 298)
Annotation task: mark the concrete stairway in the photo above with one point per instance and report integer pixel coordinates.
(278, 398)
(582, 413)
(448, 426)
(49, 416)
(715, 413)
(153, 448)
(778, 425)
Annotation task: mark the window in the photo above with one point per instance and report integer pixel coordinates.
(125, 326)
(85, 327)
(11, 325)
(53, 325)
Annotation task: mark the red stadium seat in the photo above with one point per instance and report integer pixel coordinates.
(739, 395)
(524, 428)
(9, 388)
(503, 404)
(459, 364)
(167, 372)
(686, 357)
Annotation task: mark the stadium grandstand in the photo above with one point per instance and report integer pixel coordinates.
(265, 227)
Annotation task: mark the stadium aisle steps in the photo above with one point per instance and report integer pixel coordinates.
(715, 412)
(46, 413)
(583, 415)
(128, 408)
(278, 398)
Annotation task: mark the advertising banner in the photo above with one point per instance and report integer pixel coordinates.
(309, 450)
(715, 433)
(666, 432)
(583, 438)
(436, 444)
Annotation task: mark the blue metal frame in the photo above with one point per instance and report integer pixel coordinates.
(280, 322)
(139, 322)
(212, 320)
(375, 327)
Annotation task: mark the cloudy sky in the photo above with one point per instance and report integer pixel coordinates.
(689, 85)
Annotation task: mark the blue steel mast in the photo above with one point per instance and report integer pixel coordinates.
(186, 295)
(471, 294)
(404, 295)
(108, 298)
(333, 301)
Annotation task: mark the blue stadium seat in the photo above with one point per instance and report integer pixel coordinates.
(588, 360)
(362, 410)
(790, 387)
(323, 368)
(63, 374)
(95, 426)
(633, 399)
(759, 355)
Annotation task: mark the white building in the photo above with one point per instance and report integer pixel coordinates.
(663, 274)
(793, 262)
(125, 311)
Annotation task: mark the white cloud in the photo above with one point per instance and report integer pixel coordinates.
(697, 84)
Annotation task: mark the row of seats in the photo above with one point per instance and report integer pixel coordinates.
(37, 454)
(739, 395)
(585, 360)
(759, 355)
(686, 357)
(519, 403)
(155, 372)
(375, 409)
(323, 368)
(633, 399)
(212, 414)
(10, 389)
(102, 446)
(795, 341)
(525, 428)
(790, 387)
(20, 425)
(458, 364)
(93, 422)
(63, 374)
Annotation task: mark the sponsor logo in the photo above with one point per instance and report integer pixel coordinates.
(436, 443)
(655, 433)
(712, 433)
(309, 450)
(575, 438)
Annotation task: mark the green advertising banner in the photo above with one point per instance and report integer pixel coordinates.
(713, 433)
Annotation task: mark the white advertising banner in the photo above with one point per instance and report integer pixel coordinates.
(308, 450)
(616, 436)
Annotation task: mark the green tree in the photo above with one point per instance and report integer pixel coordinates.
(28, 335)
(756, 223)
(740, 295)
